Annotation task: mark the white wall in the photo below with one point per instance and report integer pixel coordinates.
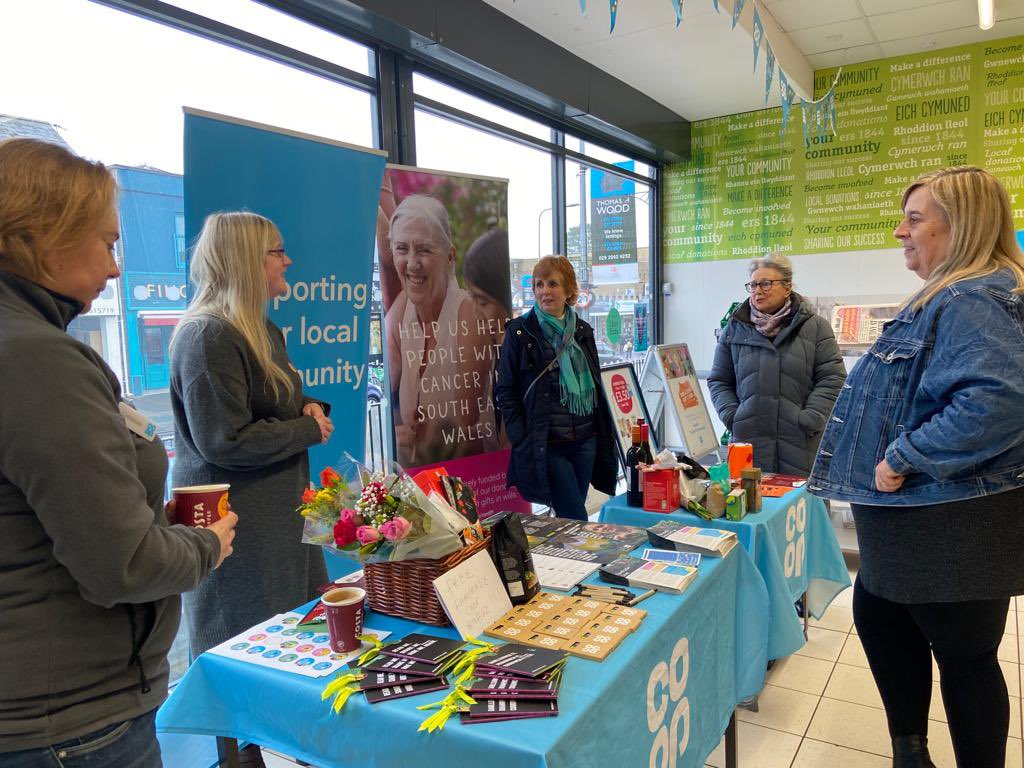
(703, 291)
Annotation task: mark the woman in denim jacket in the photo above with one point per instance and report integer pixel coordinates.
(926, 442)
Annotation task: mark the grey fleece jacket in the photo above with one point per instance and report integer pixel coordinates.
(91, 572)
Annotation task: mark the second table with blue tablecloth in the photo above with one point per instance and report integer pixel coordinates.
(670, 687)
(794, 546)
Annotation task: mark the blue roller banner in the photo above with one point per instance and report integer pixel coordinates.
(323, 197)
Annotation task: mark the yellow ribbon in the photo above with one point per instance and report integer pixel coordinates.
(448, 706)
(341, 688)
(468, 658)
(372, 653)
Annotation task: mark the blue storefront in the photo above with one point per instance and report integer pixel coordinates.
(153, 251)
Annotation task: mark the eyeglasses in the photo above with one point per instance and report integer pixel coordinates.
(764, 285)
(278, 252)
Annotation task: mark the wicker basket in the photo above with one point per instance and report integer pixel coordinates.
(406, 588)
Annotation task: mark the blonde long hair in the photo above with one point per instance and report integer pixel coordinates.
(982, 239)
(229, 274)
(49, 199)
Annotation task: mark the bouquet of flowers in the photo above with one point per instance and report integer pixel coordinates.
(377, 516)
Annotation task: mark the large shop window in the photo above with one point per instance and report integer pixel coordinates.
(608, 239)
(443, 144)
(112, 86)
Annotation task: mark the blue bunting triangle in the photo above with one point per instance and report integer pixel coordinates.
(678, 6)
(757, 35)
(787, 98)
(737, 9)
(769, 70)
(583, 7)
(613, 8)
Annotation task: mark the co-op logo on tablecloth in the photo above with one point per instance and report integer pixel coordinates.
(796, 544)
(668, 708)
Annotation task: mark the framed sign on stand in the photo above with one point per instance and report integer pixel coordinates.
(671, 389)
(626, 402)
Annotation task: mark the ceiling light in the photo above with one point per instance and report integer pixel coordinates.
(986, 14)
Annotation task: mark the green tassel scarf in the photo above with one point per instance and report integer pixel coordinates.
(578, 392)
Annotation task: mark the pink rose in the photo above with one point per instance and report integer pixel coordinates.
(396, 529)
(367, 534)
(350, 516)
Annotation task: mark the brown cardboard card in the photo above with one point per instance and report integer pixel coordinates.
(592, 646)
(629, 623)
(501, 629)
(559, 630)
(625, 610)
(540, 640)
(607, 628)
(512, 619)
(568, 620)
(528, 612)
(589, 604)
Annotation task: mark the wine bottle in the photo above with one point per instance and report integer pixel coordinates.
(634, 487)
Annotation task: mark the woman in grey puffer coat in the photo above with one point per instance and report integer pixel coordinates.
(777, 371)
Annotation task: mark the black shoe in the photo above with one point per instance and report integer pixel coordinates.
(911, 752)
(250, 756)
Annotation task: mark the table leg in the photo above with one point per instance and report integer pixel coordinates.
(807, 614)
(227, 752)
(730, 743)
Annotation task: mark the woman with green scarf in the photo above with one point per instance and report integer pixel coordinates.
(548, 393)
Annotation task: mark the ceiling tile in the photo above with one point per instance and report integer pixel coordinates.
(844, 34)
(874, 7)
(951, 38)
(800, 14)
(938, 17)
(848, 56)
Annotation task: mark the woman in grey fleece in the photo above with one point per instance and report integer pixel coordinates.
(240, 417)
(89, 600)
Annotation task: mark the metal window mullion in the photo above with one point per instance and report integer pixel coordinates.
(559, 242)
(656, 270)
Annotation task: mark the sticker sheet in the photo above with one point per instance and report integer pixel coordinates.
(279, 644)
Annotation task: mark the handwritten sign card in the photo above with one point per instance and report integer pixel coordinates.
(472, 595)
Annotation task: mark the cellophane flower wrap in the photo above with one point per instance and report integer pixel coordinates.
(376, 516)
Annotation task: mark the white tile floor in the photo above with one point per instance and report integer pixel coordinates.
(820, 707)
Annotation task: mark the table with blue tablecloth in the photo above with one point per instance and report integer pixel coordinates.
(794, 546)
(671, 685)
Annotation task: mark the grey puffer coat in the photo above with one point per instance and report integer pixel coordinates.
(777, 393)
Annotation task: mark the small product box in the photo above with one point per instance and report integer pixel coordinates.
(741, 456)
(736, 504)
(661, 489)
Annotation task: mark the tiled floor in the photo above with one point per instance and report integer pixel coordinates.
(820, 707)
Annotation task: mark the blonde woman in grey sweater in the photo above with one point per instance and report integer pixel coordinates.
(241, 417)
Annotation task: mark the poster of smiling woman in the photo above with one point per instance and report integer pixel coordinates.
(446, 289)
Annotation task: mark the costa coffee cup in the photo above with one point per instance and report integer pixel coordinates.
(343, 607)
(200, 505)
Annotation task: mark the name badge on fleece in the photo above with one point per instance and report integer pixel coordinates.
(136, 422)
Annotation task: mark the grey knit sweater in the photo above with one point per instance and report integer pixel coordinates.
(229, 428)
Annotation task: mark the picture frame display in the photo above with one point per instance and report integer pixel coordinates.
(626, 404)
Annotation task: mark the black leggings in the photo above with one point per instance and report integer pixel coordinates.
(899, 640)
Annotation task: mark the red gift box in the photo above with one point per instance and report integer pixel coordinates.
(661, 489)
(430, 480)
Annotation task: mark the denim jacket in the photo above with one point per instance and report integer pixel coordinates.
(940, 396)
